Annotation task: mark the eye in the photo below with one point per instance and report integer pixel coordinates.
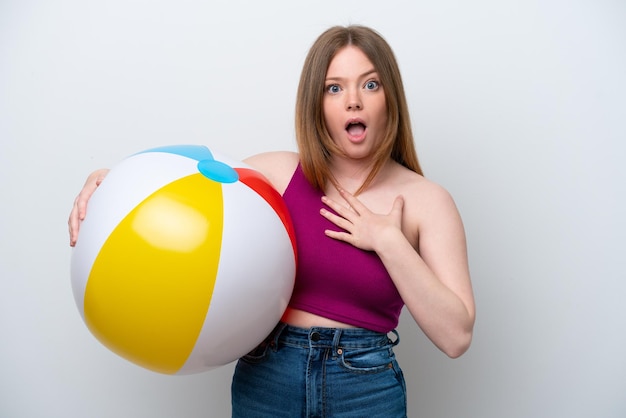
(333, 88)
(372, 85)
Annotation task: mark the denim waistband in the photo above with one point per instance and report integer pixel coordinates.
(321, 337)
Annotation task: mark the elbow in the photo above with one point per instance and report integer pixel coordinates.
(460, 345)
(457, 351)
(462, 340)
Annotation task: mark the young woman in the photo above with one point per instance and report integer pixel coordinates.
(372, 233)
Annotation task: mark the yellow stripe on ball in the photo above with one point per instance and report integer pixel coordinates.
(151, 284)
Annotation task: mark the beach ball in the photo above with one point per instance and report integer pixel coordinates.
(185, 261)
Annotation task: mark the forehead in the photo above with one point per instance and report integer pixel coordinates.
(348, 61)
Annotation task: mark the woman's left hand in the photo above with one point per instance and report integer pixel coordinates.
(361, 227)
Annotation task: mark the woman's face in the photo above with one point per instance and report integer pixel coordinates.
(354, 106)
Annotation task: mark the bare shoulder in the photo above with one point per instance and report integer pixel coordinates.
(429, 207)
(432, 196)
(277, 166)
(425, 194)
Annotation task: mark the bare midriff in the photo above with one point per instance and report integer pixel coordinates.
(303, 319)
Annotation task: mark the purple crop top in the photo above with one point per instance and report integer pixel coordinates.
(334, 279)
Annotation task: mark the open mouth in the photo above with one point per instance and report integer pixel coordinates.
(355, 128)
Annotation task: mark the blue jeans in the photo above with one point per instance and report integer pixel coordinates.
(320, 372)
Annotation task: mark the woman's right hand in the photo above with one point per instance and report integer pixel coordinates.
(79, 210)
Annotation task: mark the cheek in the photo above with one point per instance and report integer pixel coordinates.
(332, 120)
(381, 113)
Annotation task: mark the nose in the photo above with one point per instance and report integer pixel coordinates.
(354, 106)
(353, 101)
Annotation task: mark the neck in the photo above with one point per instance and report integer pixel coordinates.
(351, 174)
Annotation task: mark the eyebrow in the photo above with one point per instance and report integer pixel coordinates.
(365, 74)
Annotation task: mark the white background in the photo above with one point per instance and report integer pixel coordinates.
(518, 109)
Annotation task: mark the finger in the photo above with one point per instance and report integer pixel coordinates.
(81, 206)
(79, 209)
(341, 222)
(99, 176)
(398, 205)
(353, 201)
(340, 209)
(78, 213)
(72, 224)
(339, 236)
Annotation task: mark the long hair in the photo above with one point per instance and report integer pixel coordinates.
(314, 141)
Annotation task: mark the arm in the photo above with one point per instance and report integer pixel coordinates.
(79, 210)
(274, 165)
(277, 167)
(434, 283)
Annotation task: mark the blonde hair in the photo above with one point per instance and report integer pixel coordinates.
(314, 141)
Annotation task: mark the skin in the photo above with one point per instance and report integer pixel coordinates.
(353, 94)
(410, 222)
